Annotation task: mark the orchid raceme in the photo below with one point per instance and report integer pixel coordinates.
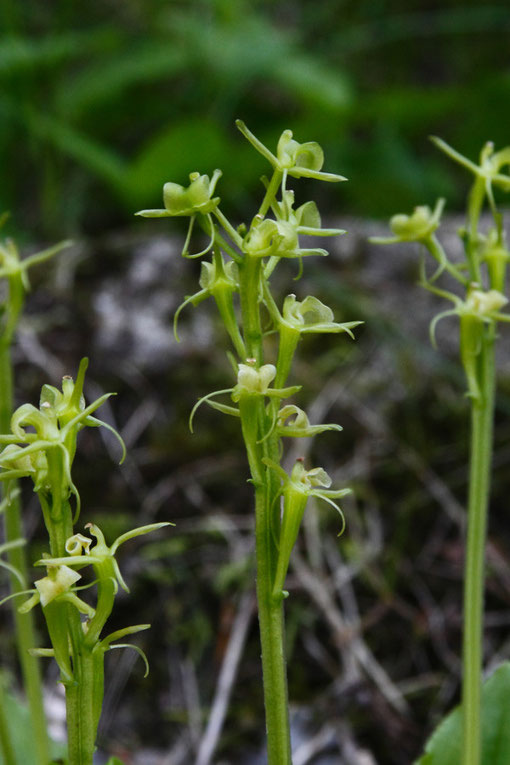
(237, 276)
(478, 302)
(42, 446)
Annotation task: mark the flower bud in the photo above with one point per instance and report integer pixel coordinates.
(482, 303)
(251, 380)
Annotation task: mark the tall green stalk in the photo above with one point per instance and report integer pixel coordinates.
(240, 286)
(482, 416)
(255, 423)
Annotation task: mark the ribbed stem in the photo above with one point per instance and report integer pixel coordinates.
(271, 623)
(271, 620)
(79, 707)
(482, 416)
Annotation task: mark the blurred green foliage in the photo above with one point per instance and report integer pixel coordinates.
(102, 104)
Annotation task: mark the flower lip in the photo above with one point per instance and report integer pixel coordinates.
(58, 581)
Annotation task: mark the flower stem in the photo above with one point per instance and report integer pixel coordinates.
(271, 622)
(482, 415)
(24, 625)
(271, 638)
(79, 706)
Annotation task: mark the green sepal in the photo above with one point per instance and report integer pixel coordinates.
(136, 533)
(471, 335)
(294, 505)
(118, 634)
(44, 653)
(56, 621)
(224, 408)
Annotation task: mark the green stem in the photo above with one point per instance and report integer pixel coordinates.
(80, 700)
(80, 716)
(24, 625)
(482, 416)
(249, 289)
(255, 422)
(271, 625)
(270, 195)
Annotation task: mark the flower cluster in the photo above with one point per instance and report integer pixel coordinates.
(15, 270)
(45, 453)
(237, 277)
(487, 258)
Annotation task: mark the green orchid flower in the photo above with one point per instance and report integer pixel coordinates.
(220, 280)
(296, 490)
(189, 201)
(186, 201)
(15, 270)
(299, 160)
(49, 451)
(480, 307)
(293, 422)
(417, 227)
(101, 557)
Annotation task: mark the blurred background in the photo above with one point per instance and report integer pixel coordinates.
(99, 106)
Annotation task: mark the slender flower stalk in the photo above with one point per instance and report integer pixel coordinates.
(479, 312)
(238, 278)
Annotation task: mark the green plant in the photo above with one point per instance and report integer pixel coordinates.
(238, 278)
(14, 271)
(482, 280)
(42, 446)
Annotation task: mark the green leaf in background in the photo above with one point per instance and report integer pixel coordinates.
(443, 747)
(18, 722)
(181, 148)
(314, 83)
(105, 81)
(26, 55)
